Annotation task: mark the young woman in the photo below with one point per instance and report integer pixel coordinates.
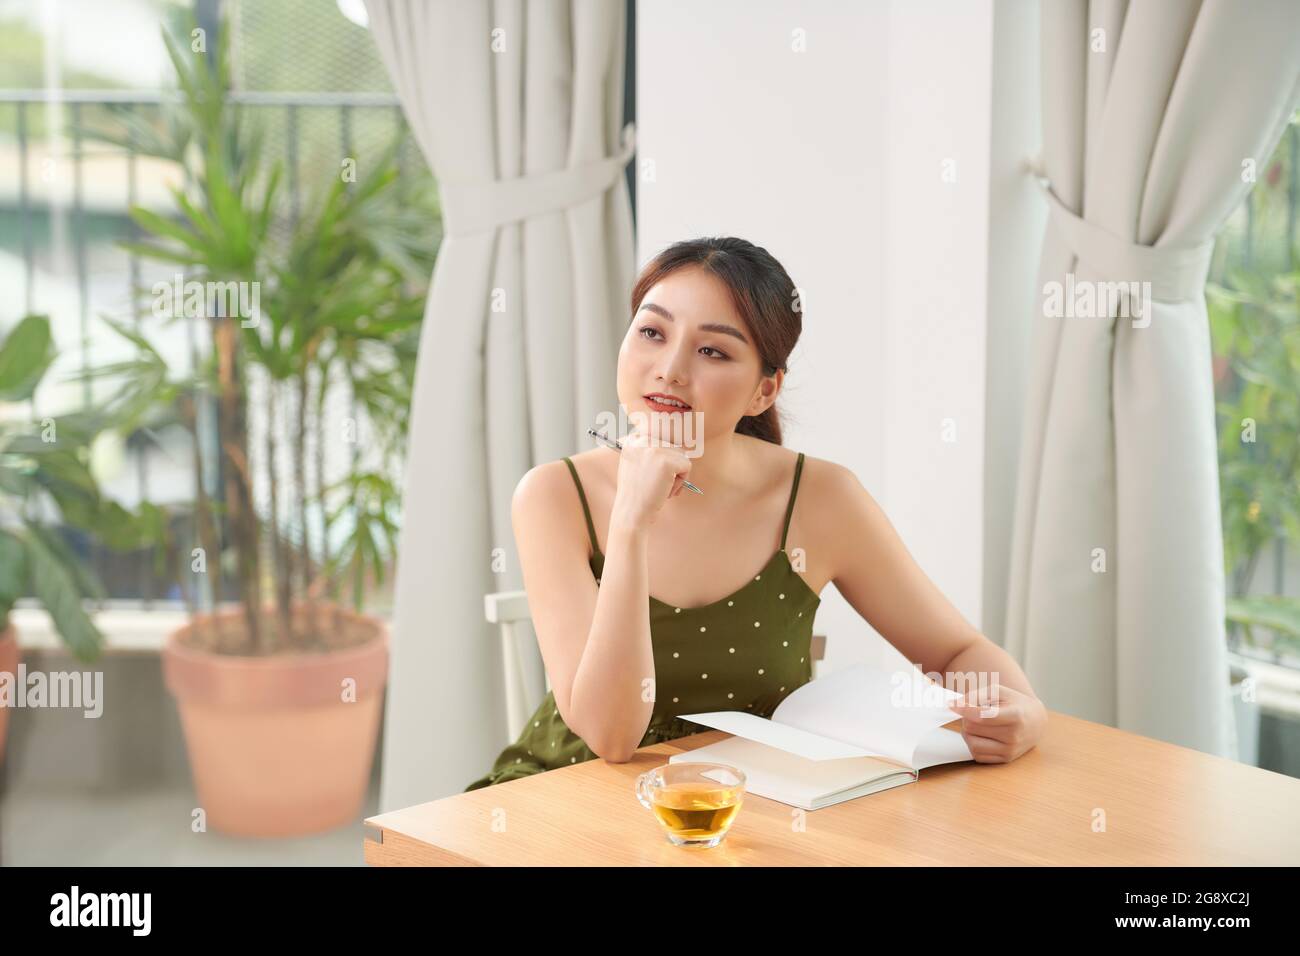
(649, 603)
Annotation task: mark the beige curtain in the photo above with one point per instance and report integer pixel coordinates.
(1151, 113)
(518, 110)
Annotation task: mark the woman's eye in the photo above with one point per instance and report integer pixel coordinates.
(653, 332)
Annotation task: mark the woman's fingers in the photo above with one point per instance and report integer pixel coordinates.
(1002, 733)
(998, 710)
(987, 750)
(988, 713)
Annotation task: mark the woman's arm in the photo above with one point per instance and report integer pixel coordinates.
(595, 641)
(878, 576)
(613, 691)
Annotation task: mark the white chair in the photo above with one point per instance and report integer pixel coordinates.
(507, 609)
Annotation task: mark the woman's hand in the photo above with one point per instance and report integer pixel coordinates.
(1002, 724)
(649, 473)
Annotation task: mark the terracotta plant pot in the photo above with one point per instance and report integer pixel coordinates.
(275, 748)
(9, 655)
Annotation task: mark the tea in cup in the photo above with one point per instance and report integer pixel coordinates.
(695, 803)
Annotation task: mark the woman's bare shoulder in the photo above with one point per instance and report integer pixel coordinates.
(544, 484)
(819, 474)
(828, 476)
(590, 462)
(828, 491)
(546, 499)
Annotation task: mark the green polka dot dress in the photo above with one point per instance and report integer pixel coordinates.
(747, 651)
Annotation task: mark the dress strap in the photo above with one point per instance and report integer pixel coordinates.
(586, 512)
(794, 489)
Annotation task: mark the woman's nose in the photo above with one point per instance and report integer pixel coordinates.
(673, 364)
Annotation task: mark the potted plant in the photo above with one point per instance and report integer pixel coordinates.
(280, 690)
(45, 477)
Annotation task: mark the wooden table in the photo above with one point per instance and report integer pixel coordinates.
(1086, 795)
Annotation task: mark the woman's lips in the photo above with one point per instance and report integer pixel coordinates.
(659, 406)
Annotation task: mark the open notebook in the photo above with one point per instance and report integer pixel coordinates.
(857, 731)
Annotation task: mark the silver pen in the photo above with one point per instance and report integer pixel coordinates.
(612, 443)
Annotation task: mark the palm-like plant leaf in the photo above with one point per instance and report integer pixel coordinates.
(57, 591)
(25, 356)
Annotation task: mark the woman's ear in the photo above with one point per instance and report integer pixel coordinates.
(768, 389)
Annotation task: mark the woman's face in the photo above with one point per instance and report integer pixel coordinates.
(688, 341)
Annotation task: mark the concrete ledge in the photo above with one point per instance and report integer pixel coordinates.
(127, 626)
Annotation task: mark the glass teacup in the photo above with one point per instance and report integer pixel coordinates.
(695, 803)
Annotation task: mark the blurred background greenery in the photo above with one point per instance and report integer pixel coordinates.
(1255, 329)
(310, 84)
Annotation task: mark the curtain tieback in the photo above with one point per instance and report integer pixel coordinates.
(1176, 273)
(469, 208)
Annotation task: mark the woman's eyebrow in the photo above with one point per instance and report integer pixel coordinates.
(704, 327)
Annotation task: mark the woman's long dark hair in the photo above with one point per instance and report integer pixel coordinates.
(763, 294)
